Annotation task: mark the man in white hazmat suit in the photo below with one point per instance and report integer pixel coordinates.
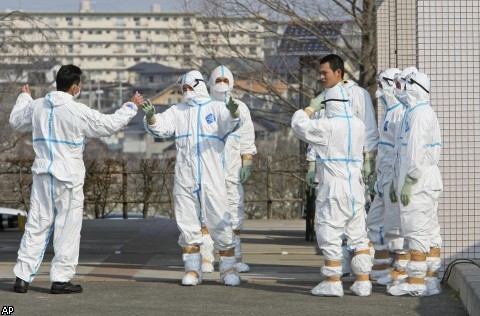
(418, 186)
(332, 70)
(59, 127)
(383, 220)
(201, 127)
(338, 141)
(237, 157)
(402, 256)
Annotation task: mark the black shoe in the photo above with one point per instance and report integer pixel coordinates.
(20, 286)
(65, 288)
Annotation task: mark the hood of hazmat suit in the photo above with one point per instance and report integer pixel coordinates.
(242, 141)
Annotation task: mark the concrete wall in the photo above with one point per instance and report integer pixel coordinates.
(442, 38)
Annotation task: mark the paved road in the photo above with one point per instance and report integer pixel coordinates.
(134, 267)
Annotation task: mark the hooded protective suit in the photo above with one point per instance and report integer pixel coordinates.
(59, 127)
(394, 240)
(338, 141)
(361, 107)
(240, 143)
(383, 217)
(201, 127)
(419, 152)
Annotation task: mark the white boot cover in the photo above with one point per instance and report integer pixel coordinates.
(384, 264)
(432, 282)
(399, 265)
(208, 254)
(192, 263)
(240, 266)
(228, 272)
(415, 269)
(327, 288)
(361, 266)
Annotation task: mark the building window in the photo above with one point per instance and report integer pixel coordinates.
(120, 22)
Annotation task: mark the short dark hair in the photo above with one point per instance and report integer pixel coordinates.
(335, 62)
(67, 76)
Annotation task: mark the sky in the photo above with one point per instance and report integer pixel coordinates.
(98, 5)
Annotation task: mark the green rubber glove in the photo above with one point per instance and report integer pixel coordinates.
(311, 174)
(316, 103)
(148, 109)
(371, 184)
(246, 171)
(406, 192)
(232, 106)
(368, 166)
(393, 194)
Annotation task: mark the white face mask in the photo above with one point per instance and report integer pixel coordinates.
(221, 87)
(379, 93)
(189, 95)
(403, 98)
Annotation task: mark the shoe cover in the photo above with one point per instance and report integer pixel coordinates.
(433, 286)
(377, 274)
(346, 261)
(242, 267)
(362, 264)
(387, 279)
(207, 267)
(362, 288)
(326, 288)
(192, 263)
(405, 288)
(190, 279)
(228, 273)
(207, 251)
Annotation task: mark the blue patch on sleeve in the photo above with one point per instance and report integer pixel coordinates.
(385, 126)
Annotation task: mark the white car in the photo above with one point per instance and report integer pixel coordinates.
(9, 217)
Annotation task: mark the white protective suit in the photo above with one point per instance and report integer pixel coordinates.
(384, 216)
(241, 142)
(402, 256)
(338, 141)
(420, 146)
(59, 127)
(361, 107)
(201, 127)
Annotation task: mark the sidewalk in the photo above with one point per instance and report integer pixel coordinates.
(135, 267)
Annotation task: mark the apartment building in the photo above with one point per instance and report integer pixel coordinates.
(105, 45)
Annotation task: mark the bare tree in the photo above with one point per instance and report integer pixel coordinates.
(22, 54)
(291, 36)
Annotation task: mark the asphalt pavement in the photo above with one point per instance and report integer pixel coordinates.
(134, 267)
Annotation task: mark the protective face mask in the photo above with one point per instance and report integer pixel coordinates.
(397, 92)
(412, 96)
(379, 93)
(403, 98)
(76, 95)
(189, 95)
(221, 87)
